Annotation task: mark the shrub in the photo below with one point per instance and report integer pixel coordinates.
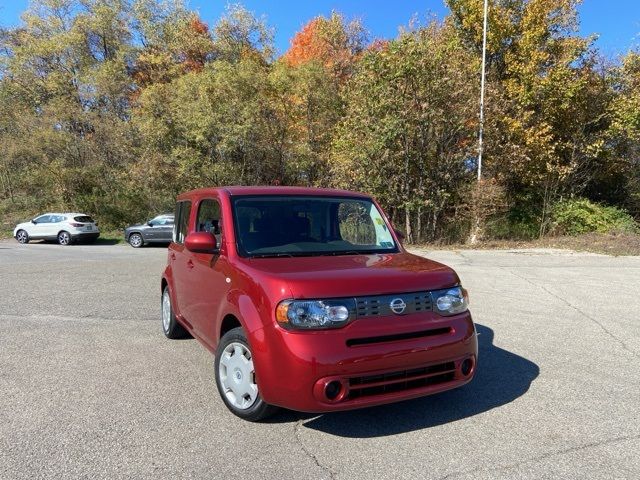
(577, 216)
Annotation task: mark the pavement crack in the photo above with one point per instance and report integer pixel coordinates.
(308, 453)
(467, 260)
(544, 456)
(577, 309)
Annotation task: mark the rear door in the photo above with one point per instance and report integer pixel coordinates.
(163, 230)
(55, 225)
(179, 258)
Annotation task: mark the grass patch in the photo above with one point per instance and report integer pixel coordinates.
(616, 244)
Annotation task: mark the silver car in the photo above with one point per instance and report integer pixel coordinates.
(156, 230)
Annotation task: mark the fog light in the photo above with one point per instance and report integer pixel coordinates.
(332, 390)
(466, 366)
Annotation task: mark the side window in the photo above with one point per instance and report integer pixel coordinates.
(56, 218)
(43, 219)
(181, 228)
(209, 218)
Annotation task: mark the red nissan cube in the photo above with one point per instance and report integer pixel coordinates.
(308, 301)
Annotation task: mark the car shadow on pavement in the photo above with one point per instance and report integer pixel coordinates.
(501, 378)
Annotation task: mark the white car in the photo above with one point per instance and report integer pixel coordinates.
(63, 227)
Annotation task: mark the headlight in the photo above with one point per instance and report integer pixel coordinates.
(450, 301)
(314, 314)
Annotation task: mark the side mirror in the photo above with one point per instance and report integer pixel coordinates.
(399, 234)
(34, 221)
(150, 224)
(201, 242)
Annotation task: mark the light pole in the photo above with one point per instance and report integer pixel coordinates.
(484, 58)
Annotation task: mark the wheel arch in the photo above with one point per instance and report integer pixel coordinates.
(229, 322)
(139, 232)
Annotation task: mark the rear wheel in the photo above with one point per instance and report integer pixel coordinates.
(170, 326)
(22, 236)
(64, 238)
(135, 240)
(236, 378)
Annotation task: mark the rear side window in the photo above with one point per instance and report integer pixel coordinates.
(181, 227)
(83, 219)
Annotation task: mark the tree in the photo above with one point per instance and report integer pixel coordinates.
(333, 42)
(409, 125)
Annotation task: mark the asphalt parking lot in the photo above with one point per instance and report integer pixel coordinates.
(90, 388)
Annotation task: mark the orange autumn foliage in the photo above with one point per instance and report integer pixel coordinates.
(330, 41)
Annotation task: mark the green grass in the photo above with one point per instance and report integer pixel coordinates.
(111, 236)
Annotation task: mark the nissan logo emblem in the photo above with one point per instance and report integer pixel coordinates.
(397, 306)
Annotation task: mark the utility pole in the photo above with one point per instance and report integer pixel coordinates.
(484, 58)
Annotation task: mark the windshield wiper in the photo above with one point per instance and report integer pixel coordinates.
(271, 255)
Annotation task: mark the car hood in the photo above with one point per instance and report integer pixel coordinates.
(355, 275)
(22, 225)
(137, 225)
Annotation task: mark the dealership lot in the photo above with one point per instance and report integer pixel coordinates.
(90, 388)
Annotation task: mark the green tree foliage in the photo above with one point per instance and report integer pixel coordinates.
(409, 126)
(115, 106)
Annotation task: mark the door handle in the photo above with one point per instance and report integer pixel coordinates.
(190, 264)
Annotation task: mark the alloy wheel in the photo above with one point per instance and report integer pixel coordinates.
(22, 236)
(135, 240)
(64, 238)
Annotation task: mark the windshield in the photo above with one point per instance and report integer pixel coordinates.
(302, 226)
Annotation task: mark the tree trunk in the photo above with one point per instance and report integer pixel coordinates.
(407, 222)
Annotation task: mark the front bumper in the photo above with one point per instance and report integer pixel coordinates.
(391, 359)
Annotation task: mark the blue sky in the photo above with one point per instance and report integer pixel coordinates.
(617, 22)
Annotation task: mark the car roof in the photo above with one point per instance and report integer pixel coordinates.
(272, 190)
(65, 213)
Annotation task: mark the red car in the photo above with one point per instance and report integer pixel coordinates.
(309, 301)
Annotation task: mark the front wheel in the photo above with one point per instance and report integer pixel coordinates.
(135, 240)
(64, 238)
(22, 236)
(236, 378)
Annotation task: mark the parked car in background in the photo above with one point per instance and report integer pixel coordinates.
(310, 302)
(156, 230)
(65, 228)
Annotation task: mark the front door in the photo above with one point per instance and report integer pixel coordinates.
(41, 227)
(206, 285)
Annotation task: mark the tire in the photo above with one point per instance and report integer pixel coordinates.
(22, 236)
(64, 238)
(170, 326)
(235, 378)
(136, 240)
